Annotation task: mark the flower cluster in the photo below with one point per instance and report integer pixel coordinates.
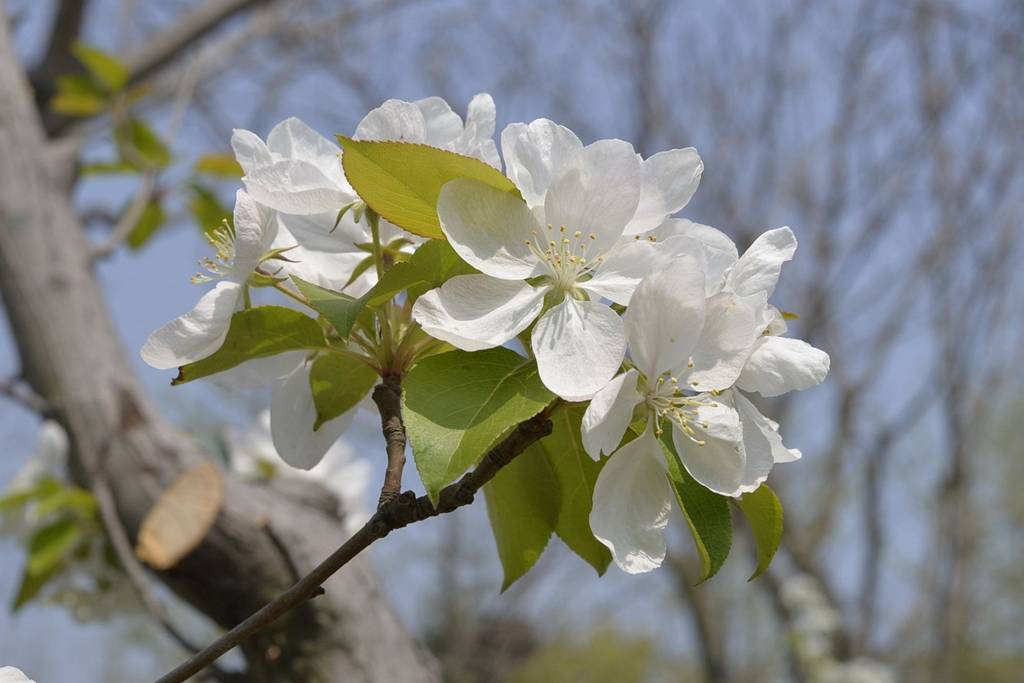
(657, 322)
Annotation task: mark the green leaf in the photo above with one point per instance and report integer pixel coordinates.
(31, 584)
(457, 405)
(340, 310)
(106, 69)
(576, 473)
(78, 95)
(431, 265)
(18, 498)
(46, 552)
(207, 209)
(338, 384)
(111, 167)
(136, 139)
(257, 333)
(706, 513)
(763, 511)
(523, 506)
(219, 165)
(401, 181)
(152, 217)
(68, 499)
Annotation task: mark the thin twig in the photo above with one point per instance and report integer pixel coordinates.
(21, 393)
(126, 223)
(404, 510)
(388, 397)
(135, 571)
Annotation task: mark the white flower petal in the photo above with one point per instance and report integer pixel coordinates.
(778, 365)
(597, 194)
(632, 502)
(623, 268)
(9, 674)
(731, 327)
(667, 182)
(258, 372)
(297, 187)
(292, 416)
(579, 347)
(718, 252)
(609, 414)
(749, 414)
(394, 120)
(758, 441)
(250, 150)
(317, 231)
(665, 318)
(474, 312)
(255, 229)
(294, 139)
(441, 125)
(535, 154)
(759, 267)
(489, 228)
(720, 463)
(198, 333)
(478, 137)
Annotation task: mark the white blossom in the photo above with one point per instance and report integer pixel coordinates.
(239, 251)
(253, 454)
(557, 254)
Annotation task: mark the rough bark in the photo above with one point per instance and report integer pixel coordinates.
(71, 356)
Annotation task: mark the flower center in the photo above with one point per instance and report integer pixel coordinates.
(222, 239)
(667, 401)
(565, 254)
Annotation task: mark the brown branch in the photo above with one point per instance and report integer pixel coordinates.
(136, 573)
(388, 397)
(406, 509)
(165, 47)
(709, 637)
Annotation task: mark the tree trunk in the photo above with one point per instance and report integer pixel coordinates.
(72, 357)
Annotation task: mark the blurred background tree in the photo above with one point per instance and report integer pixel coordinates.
(888, 134)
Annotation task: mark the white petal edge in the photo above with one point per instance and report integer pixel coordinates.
(632, 503)
(717, 251)
(731, 328)
(489, 228)
(255, 229)
(579, 346)
(294, 139)
(393, 120)
(759, 268)
(9, 674)
(623, 269)
(769, 428)
(597, 194)
(258, 372)
(609, 413)
(292, 416)
(719, 464)
(196, 334)
(665, 318)
(250, 151)
(668, 181)
(535, 154)
(474, 312)
(778, 365)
